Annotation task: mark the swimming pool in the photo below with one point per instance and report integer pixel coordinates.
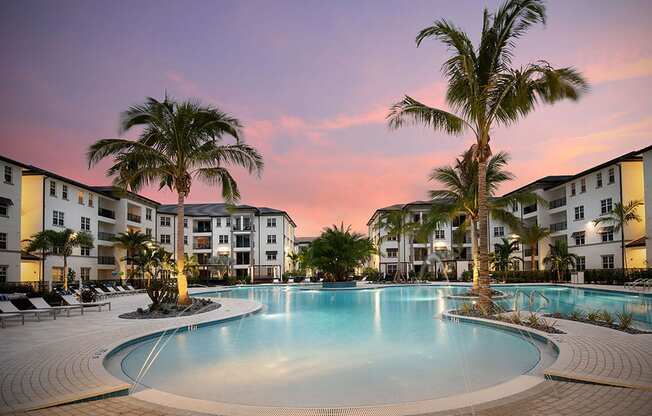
(312, 348)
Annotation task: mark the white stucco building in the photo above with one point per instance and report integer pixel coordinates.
(10, 218)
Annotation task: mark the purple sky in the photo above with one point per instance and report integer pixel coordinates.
(312, 81)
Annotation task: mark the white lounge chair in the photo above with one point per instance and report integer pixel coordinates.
(130, 287)
(40, 303)
(122, 290)
(9, 316)
(8, 307)
(291, 280)
(71, 300)
(637, 282)
(276, 280)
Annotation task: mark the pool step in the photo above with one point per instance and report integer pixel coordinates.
(603, 381)
(88, 396)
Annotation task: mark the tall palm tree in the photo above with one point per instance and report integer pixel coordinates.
(133, 242)
(560, 259)
(485, 91)
(42, 244)
(395, 225)
(179, 142)
(503, 255)
(621, 215)
(530, 236)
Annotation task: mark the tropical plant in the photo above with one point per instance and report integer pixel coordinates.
(621, 215)
(133, 242)
(484, 91)
(42, 244)
(338, 251)
(606, 317)
(560, 259)
(624, 320)
(530, 236)
(179, 142)
(154, 260)
(191, 265)
(502, 258)
(295, 259)
(395, 224)
(222, 264)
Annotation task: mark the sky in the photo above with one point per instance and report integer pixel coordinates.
(312, 82)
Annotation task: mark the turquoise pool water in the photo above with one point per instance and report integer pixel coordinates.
(346, 348)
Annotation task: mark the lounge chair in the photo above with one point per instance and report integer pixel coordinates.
(637, 282)
(122, 290)
(71, 300)
(40, 303)
(276, 280)
(100, 292)
(130, 287)
(9, 316)
(8, 307)
(114, 292)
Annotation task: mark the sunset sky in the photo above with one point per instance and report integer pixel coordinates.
(312, 82)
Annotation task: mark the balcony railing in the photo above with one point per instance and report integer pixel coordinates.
(242, 227)
(201, 229)
(105, 260)
(528, 252)
(558, 226)
(107, 213)
(105, 236)
(201, 246)
(530, 208)
(556, 203)
(133, 217)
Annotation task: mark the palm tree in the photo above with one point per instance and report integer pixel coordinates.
(530, 236)
(154, 260)
(395, 225)
(559, 258)
(133, 242)
(484, 91)
(621, 215)
(179, 142)
(294, 260)
(191, 265)
(503, 255)
(41, 243)
(338, 251)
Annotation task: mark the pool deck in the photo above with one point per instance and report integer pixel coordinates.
(52, 362)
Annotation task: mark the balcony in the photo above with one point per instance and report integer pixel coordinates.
(133, 217)
(201, 246)
(106, 213)
(201, 229)
(558, 226)
(242, 227)
(556, 203)
(528, 252)
(529, 209)
(104, 236)
(108, 260)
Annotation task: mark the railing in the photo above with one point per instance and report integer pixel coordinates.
(242, 227)
(556, 203)
(105, 260)
(558, 226)
(133, 217)
(528, 252)
(201, 229)
(101, 235)
(530, 208)
(201, 246)
(107, 213)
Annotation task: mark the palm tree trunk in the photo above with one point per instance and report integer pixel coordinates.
(483, 274)
(398, 258)
(182, 283)
(65, 273)
(474, 254)
(532, 257)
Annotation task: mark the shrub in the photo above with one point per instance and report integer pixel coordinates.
(525, 276)
(607, 317)
(533, 320)
(467, 275)
(576, 315)
(467, 308)
(371, 274)
(624, 320)
(593, 316)
(162, 291)
(230, 280)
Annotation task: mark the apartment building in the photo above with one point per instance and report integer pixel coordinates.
(10, 208)
(252, 243)
(572, 203)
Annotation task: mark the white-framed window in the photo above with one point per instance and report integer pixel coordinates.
(85, 273)
(271, 238)
(53, 188)
(606, 206)
(148, 214)
(3, 241)
(64, 192)
(582, 185)
(271, 256)
(228, 221)
(271, 222)
(148, 232)
(499, 231)
(4, 210)
(58, 218)
(270, 271)
(392, 252)
(579, 213)
(165, 239)
(85, 224)
(223, 239)
(607, 235)
(9, 175)
(390, 238)
(580, 263)
(90, 200)
(572, 189)
(165, 221)
(185, 223)
(3, 273)
(608, 261)
(85, 251)
(392, 269)
(598, 180)
(218, 222)
(611, 175)
(439, 234)
(514, 206)
(80, 197)
(185, 240)
(580, 238)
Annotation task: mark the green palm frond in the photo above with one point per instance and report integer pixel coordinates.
(411, 111)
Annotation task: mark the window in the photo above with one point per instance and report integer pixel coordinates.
(4, 211)
(270, 271)
(228, 221)
(3, 273)
(608, 261)
(53, 188)
(580, 263)
(242, 241)
(582, 185)
(85, 224)
(392, 252)
(499, 231)
(202, 243)
(148, 232)
(218, 222)
(148, 214)
(572, 189)
(514, 206)
(3, 241)
(165, 239)
(80, 197)
(612, 175)
(223, 239)
(271, 256)
(580, 238)
(85, 251)
(85, 273)
(605, 206)
(598, 180)
(271, 239)
(185, 240)
(271, 222)
(9, 175)
(579, 213)
(440, 234)
(165, 221)
(391, 238)
(57, 274)
(90, 200)
(185, 223)
(64, 192)
(607, 235)
(242, 257)
(392, 269)
(57, 218)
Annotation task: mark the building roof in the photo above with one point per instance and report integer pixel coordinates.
(639, 242)
(14, 162)
(35, 171)
(220, 210)
(304, 240)
(118, 193)
(546, 183)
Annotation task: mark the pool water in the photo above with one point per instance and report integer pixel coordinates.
(310, 348)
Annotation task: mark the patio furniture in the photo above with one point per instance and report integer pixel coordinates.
(130, 287)
(8, 307)
(4, 317)
(71, 300)
(40, 303)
